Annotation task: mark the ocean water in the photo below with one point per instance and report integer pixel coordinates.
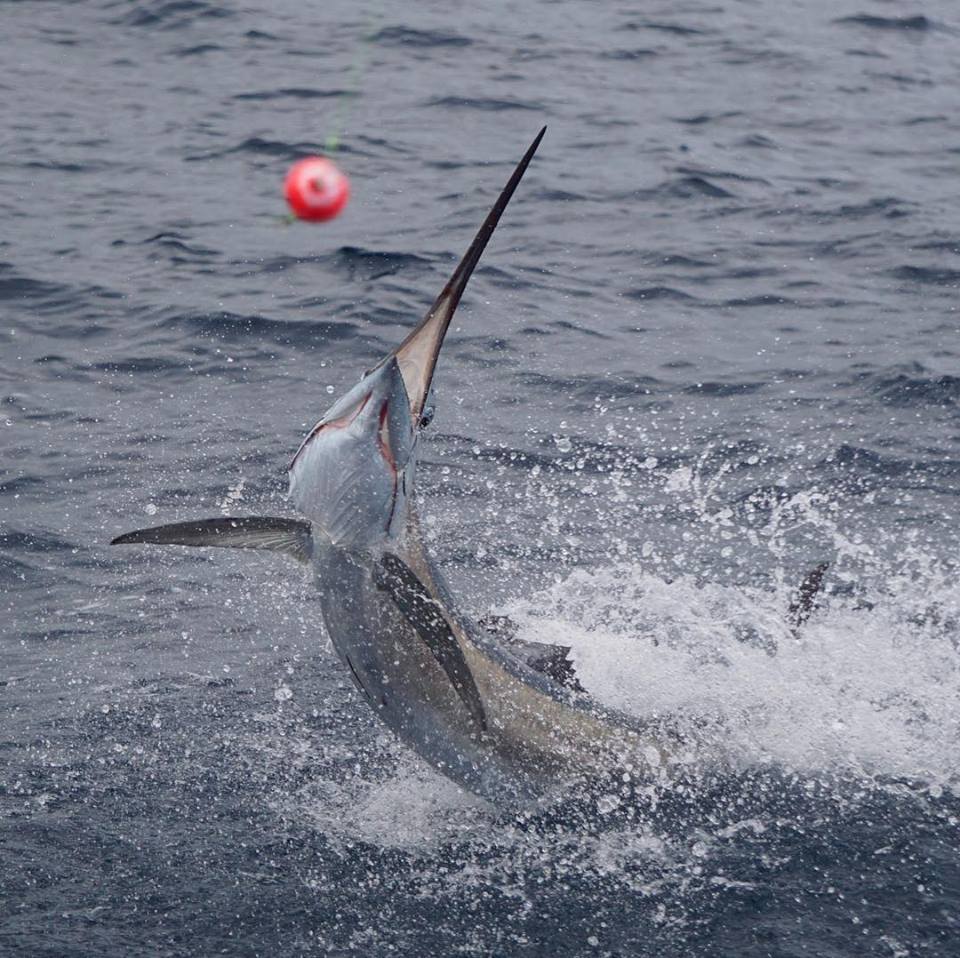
(713, 343)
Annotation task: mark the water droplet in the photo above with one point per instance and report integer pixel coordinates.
(607, 803)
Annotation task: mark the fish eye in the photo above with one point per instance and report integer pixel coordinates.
(426, 417)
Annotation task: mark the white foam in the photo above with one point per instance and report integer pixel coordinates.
(869, 692)
(411, 808)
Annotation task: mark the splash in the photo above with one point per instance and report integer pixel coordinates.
(411, 808)
(867, 689)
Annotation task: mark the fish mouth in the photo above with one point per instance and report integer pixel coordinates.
(417, 355)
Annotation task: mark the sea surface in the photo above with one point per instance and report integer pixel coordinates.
(714, 343)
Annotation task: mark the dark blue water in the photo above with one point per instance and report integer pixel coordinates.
(713, 343)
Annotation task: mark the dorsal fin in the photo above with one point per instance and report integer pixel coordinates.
(549, 659)
(292, 537)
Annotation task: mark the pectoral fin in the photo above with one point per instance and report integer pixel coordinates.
(424, 613)
(272, 533)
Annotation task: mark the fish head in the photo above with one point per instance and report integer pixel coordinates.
(351, 474)
(354, 472)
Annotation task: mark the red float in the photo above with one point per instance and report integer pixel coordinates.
(315, 189)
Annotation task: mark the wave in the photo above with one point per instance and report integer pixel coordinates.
(171, 14)
(486, 104)
(181, 248)
(650, 293)
(906, 390)
(16, 287)
(914, 23)
(293, 93)
(701, 119)
(724, 389)
(676, 29)
(262, 146)
(421, 39)
(927, 274)
(236, 327)
(642, 53)
(691, 187)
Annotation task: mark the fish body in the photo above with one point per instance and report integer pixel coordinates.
(499, 721)
(491, 722)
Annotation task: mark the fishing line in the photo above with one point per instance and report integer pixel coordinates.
(358, 67)
(314, 187)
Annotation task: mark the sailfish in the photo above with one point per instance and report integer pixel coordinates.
(503, 718)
